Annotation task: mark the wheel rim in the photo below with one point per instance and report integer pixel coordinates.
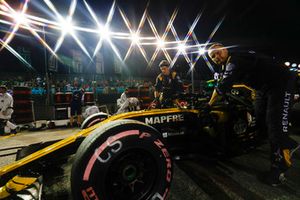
(132, 175)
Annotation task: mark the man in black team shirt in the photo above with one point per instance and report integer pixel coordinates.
(76, 106)
(167, 85)
(274, 84)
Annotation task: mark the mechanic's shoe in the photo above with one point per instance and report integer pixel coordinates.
(288, 154)
(274, 177)
(13, 131)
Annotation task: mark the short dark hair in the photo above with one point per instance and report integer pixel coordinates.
(164, 63)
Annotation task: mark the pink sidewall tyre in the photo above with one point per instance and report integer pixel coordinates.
(122, 160)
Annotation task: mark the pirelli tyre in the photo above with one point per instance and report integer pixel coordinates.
(93, 119)
(122, 160)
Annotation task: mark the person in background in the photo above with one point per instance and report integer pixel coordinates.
(6, 110)
(123, 98)
(274, 84)
(76, 105)
(126, 103)
(168, 84)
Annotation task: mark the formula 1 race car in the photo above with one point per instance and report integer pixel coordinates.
(129, 156)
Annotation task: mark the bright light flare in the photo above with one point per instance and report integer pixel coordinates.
(135, 38)
(64, 24)
(16, 54)
(208, 41)
(104, 32)
(161, 43)
(202, 51)
(10, 36)
(294, 65)
(155, 32)
(287, 64)
(19, 18)
(67, 26)
(181, 48)
(4, 8)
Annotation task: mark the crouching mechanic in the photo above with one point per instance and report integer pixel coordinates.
(168, 85)
(127, 103)
(274, 84)
(6, 110)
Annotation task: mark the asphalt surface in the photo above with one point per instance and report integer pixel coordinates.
(198, 178)
(26, 137)
(235, 178)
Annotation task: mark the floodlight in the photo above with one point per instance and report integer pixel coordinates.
(160, 43)
(104, 32)
(201, 51)
(181, 47)
(67, 26)
(19, 17)
(135, 38)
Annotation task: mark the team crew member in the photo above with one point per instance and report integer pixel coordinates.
(274, 84)
(168, 84)
(6, 110)
(126, 103)
(76, 106)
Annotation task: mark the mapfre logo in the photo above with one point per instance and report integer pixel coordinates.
(164, 119)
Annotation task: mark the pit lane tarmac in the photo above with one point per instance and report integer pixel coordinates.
(194, 179)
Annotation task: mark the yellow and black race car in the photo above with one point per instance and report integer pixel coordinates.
(129, 156)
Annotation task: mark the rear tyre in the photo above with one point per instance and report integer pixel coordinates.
(122, 160)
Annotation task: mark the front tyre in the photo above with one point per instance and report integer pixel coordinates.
(122, 160)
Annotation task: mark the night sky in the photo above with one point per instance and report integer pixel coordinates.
(272, 27)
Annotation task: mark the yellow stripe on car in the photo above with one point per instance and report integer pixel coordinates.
(16, 184)
(84, 133)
